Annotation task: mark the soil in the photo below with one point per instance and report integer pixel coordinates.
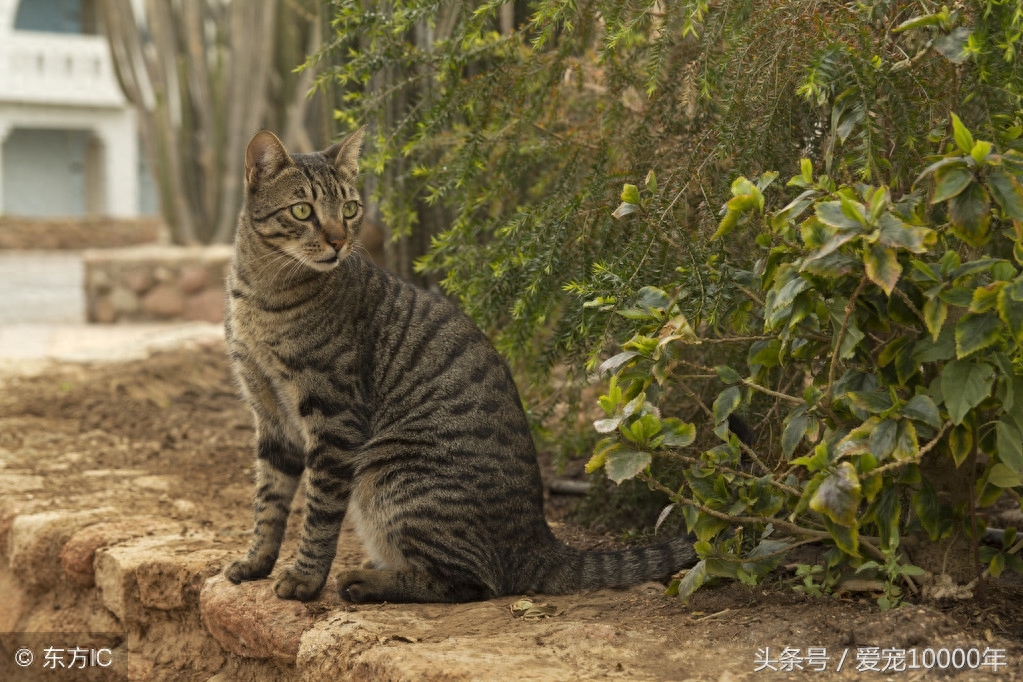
(170, 439)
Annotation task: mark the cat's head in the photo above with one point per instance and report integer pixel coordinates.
(304, 205)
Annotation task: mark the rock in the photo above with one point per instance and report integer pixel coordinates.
(162, 572)
(35, 542)
(15, 601)
(193, 279)
(103, 311)
(207, 306)
(138, 280)
(163, 301)
(123, 300)
(78, 554)
(249, 620)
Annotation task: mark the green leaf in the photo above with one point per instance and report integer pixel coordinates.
(727, 224)
(725, 403)
(918, 22)
(960, 442)
(935, 312)
(970, 215)
(963, 138)
(599, 457)
(838, 496)
(727, 374)
(976, 332)
(1010, 444)
(630, 194)
(882, 267)
(846, 538)
(653, 297)
(806, 170)
(942, 348)
(888, 516)
(985, 298)
(1004, 477)
(694, 578)
(832, 214)
(793, 430)
(906, 444)
(873, 402)
(981, 148)
(925, 504)
(922, 409)
(677, 434)
(624, 463)
(1007, 192)
(897, 234)
(882, 438)
(950, 181)
(965, 385)
(651, 182)
(1010, 308)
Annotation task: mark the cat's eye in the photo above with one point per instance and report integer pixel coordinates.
(349, 209)
(302, 211)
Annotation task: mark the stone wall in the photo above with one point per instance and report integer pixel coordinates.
(156, 283)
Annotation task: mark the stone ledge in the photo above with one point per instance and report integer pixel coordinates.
(75, 233)
(156, 283)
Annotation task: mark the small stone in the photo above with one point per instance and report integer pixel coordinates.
(163, 274)
(103, 311)
(194, 278)
(99, 280)
(163, 302)
(124, 300)
(138, 280)
(207, 306)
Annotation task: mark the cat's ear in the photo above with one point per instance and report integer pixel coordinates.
(345, 154)
(265, 156)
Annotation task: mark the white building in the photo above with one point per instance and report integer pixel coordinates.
(69, 137)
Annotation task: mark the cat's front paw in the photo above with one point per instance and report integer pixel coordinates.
(247, 569)
(294, 584)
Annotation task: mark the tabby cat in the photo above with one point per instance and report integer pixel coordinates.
(398, 410)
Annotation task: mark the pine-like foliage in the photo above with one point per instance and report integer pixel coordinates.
(524, 134)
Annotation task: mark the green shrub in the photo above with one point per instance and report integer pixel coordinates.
(892, 328)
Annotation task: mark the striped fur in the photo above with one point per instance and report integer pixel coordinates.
(396, 407)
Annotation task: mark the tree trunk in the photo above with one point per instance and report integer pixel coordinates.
(200, 72)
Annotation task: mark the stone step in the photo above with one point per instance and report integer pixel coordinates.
(156, 592)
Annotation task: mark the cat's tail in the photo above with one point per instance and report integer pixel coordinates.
(573, 569)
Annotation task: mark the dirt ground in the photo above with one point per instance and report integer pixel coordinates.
(176, 419)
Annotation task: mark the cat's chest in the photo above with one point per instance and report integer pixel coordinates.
(261, 349)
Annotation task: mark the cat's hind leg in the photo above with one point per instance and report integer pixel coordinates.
(409, 585)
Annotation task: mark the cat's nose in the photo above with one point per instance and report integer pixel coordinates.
(336, 238)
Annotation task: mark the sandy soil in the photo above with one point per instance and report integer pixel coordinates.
(171, 439)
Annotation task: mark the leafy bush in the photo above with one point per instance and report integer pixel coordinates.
(843, 324)
(892, 329)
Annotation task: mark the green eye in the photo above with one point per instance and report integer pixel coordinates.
(302, 211)
(349, 209)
